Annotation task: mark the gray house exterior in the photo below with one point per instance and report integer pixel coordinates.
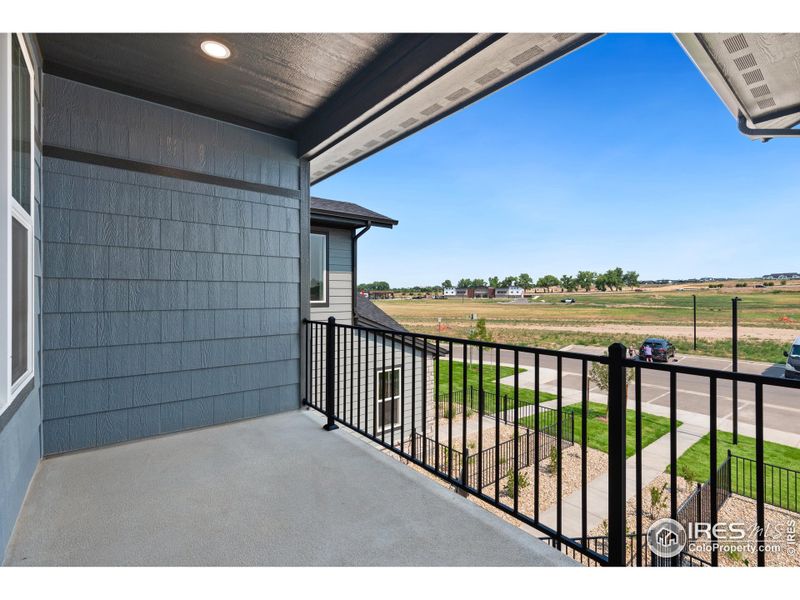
(339, 225)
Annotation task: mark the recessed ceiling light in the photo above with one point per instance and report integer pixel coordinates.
(215, 49)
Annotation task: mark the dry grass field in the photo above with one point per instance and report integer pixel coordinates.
(769, 318)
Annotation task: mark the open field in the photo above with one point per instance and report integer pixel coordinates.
(768, 319)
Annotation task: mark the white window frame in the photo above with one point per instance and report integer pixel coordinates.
(325, 269)
(394, 398)
(13, 211)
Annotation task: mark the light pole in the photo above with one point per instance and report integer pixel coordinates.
(735, 364)
(694, 314)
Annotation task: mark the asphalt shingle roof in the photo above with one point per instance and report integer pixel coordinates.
(348, 210)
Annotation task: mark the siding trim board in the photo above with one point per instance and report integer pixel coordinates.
(102, 160)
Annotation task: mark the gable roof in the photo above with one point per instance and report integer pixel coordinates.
(347, 213)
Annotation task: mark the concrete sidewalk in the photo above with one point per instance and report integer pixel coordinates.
(655, 459)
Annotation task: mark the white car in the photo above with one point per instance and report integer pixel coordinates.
(792, 370)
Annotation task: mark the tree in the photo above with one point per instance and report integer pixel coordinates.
(631, 278)
(614, 278)
(375, 285)
(478, 282)
(494, 282)
(447, 283)
(547, 282)
(464, 282)
(601, 282)
(585, 279)
(508, 282)
(479, 333)
(524, 281)
(569, 283)
(598, 374)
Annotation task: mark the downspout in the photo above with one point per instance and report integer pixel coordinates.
(354, 258)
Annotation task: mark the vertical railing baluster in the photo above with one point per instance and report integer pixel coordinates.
(536, 425)
(516, 431)
(414, 394)
(584, 455)
(393, 392)
(673, 452)
(425, 397)
(638, 435)
(712, 428)
(358, 392)
(497, 424)
(559, 435)
(436, 403)
(352, 360)
(450, 410)
(464, 400)
(760, 474)
(480, 417)
(616, 455)
(375, 384)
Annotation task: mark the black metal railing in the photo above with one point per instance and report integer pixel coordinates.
(697, 508)
(636, 553)
(780, 484)
(401, 390)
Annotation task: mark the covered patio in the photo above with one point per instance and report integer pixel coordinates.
(276, 490)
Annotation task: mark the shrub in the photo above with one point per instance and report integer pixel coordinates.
(521, 479)
(553, 466)
(658, 499)
(741, 284)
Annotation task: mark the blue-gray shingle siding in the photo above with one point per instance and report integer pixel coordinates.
(169, 303)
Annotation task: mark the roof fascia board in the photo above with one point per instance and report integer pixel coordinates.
(478, 53)
(383, 81)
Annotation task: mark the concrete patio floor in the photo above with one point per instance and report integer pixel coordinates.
(271, 491)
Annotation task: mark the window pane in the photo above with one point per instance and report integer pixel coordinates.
(19, 300)
(318, 264)
(388, 414)
(21, 128)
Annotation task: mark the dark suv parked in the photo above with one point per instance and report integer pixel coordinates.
(663, 350)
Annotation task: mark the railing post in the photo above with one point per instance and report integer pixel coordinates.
(330, 374)
(616, 455)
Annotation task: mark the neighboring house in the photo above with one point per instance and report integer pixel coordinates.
(385, 365)
(481, 291)
(509, 292)
(450, 292)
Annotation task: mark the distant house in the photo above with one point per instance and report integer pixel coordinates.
(509, 292)
(450, 292)
(481, 292)
(335, 229)
(380, 294)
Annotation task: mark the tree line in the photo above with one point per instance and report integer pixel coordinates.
(613, 279)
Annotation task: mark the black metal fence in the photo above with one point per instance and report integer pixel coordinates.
(698, 508)
(780, 484)
(384, 384)
(636, 550)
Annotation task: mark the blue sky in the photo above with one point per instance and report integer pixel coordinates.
(619, 154)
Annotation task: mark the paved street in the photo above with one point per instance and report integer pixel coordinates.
(781, 405)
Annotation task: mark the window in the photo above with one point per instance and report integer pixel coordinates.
(318, 248)
(17, 297)
(389, 383)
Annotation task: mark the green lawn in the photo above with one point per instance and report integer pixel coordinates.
(526, 396)
(694, 463)
(653, 427)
